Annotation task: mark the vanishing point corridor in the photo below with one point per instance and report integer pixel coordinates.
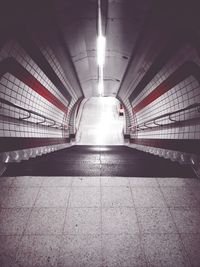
(100, 133)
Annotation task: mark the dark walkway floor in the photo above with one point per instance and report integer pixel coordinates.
(99, 161)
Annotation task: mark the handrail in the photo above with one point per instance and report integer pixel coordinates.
(53, 123)
(41, 122)
(144, 125)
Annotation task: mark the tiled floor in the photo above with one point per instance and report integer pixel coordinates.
(99, 221)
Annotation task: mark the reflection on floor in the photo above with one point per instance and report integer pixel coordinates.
(99, 161)
(99, 221)
(100, 123)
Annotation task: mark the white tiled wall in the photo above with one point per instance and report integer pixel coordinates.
(180, 96)
(53, 61)
(184, 94)
(20, 94)
(185, 54)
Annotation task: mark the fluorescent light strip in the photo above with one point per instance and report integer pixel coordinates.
(101, 45)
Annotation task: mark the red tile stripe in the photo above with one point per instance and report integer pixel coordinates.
(184, 71)
(10, 65)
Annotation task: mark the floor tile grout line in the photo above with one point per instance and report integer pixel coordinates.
(67, 206)
(193, 194)
(138, 223)
(58, 235)
(26, 225)
(101, 221)
(158, 185)
(14, 178)
(178, 233)
(9, 189)
(167, 207)
(33, 206)
(94, 234)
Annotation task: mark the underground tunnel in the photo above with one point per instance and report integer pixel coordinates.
(99, 133)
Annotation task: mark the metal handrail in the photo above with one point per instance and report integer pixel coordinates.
(144, 125)
(53, 123)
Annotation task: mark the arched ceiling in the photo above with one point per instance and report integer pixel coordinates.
(122, 21)
(69, 27)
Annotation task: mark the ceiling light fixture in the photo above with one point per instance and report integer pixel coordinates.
(101, 46)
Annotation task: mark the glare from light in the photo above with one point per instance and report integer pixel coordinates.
(100, 87)
(101, 45)
(101, 82)
(100, 123)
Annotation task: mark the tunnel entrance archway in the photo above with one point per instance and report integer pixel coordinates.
(101, 123)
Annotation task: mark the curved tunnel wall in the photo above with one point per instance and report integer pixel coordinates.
(36, 99)
(162, 93)
(173, 88)
(41, 91)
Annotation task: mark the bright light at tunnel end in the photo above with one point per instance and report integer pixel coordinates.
(100, 88)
